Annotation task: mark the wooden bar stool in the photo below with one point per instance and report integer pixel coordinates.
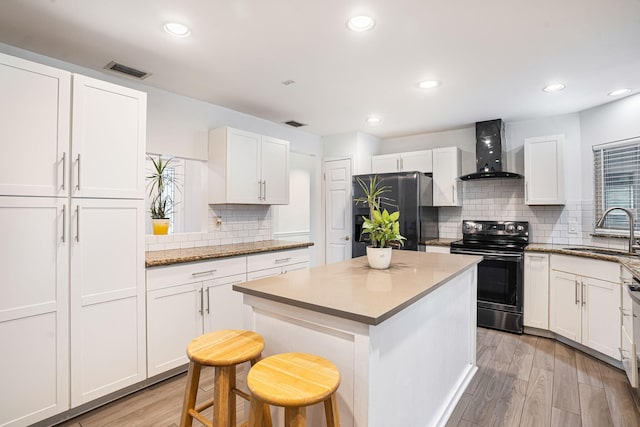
(293, 381)
(223, 350)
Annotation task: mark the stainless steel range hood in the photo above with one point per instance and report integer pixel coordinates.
(489, 137)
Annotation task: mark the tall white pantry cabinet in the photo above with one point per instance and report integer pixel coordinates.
(72, 251)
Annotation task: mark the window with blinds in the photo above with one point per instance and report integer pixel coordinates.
(616, 169)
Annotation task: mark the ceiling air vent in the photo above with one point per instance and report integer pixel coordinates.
(131, 72)
(294, 123)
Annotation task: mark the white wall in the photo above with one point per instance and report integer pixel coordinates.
(358, 146)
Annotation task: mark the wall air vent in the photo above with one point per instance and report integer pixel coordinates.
(294, 124)
(129, 71)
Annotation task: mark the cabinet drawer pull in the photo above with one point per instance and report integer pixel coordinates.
(281, 260)
(202, 273)
(264, 193)
(259, 189)
(576, 289)
(208, 302)
(78, 181)
(201, 302)
(627, 313)
(621, 350)
(64, 223)
(64, 169)
(77, 223)
(582, 295)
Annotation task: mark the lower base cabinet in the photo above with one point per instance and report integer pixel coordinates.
(536, 291)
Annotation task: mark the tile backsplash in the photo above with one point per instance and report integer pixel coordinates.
(503, 200)
(226, 224)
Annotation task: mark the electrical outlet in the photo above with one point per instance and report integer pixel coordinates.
(573, 227)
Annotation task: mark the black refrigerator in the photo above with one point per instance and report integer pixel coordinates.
(412, 194)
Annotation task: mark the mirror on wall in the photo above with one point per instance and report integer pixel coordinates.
(188, 193)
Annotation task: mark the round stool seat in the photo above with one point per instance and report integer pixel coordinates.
(225, 348)
(293, 379)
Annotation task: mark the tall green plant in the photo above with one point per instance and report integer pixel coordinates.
(373, 196)
(159, 181)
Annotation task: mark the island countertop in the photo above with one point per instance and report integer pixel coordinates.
(351, 290)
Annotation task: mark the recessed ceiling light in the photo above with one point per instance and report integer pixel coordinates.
(554, 87)
(176, 29)
(374, 120)
(620, 92)
(361, 23)
(428, 84)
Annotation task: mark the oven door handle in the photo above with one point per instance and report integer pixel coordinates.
(488, 255)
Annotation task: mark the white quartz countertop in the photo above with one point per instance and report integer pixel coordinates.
(352, 290)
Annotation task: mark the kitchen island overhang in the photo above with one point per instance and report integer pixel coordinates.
(404, 339)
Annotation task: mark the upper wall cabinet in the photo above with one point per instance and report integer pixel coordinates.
(420, 161)
(446, 170)
(247, 168)
(34, 128)
(544, 170)
(91, 143)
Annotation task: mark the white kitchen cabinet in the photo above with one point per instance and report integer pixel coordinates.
(420, 161)
(34, 309)
(544, 175)
(108, 140)
(436, 249)
(446, 170)
(107, 297)
(248, 168)
(536, 290)
(585, 302)
(275, 263)
(187, 300)
(34, 128)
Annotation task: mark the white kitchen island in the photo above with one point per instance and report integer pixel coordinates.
(404, 339)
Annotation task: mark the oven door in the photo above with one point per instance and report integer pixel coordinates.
(500, 279)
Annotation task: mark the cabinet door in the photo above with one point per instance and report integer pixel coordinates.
(33, 309)
(544, 170)
(446, 170)
(261, 274)
(536, 290)
(565, 310)
(275, 171)
(223, 307)
(108, 139)
(173, 319)
(437, 249)
(34, 128)
(243, 167)
(107, 297)
(601, 316)
(385, 163)
(421, 161)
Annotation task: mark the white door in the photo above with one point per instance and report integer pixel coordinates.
(173, 320)
(565, 309)
(222, 306)
(34, 315)
(34, 128)
(275, 171)
(385, 163)
(338, 222)
(108, 348)
(243, 167)
(108, 139)
(601, 316)
(421, 161)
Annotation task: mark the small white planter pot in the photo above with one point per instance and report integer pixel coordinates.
(379, 258)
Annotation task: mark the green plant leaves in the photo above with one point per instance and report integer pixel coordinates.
(383, 228)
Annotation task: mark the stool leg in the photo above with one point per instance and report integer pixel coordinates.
(221, 393)
(331, 411)
(190, 393)
(256, 412)
(232, 396)
(266, 412)
(295, 417)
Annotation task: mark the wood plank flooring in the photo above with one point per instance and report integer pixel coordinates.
(522, 380)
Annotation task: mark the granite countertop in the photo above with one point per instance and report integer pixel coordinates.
(352, 290)
(440, 242)
(176, 256)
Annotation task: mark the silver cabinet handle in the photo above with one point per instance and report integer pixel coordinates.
(200, 273)
(627, 313)
(201, 303)
(78, 223)
(78, 181)
(576, 289)
(260, 189)
(64, 169)
(281, 260)
(264, 194)
(621, 350)
(64, 223)
(582, 295)
(208, 302)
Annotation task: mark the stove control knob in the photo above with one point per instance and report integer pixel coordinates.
(510, 228)
(520, 228)
(478, 226)
(467, 226)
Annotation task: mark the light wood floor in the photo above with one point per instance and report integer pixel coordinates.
(522, 380)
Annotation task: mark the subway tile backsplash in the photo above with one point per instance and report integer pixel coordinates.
(239, 224)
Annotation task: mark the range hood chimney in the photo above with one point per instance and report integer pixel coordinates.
(489, 137)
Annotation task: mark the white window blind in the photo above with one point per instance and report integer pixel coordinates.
(616, 169)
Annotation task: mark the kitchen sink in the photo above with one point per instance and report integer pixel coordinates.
(602, 251)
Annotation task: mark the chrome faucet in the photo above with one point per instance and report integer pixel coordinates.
(632, 239)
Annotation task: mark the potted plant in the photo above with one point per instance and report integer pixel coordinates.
(159, 183)
(382, 227)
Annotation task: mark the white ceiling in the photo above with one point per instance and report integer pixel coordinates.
(492, 56)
